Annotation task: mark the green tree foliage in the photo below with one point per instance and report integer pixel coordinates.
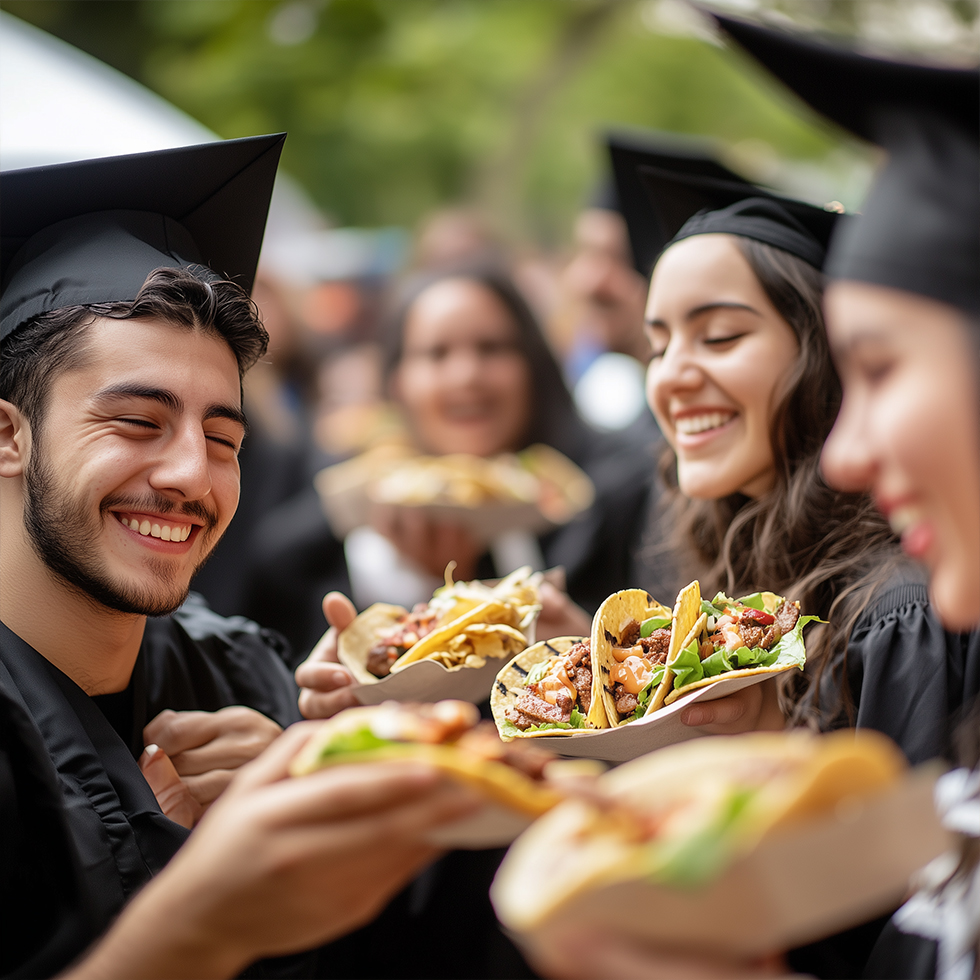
(394, 107)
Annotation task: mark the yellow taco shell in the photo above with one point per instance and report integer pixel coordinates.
(687, 608)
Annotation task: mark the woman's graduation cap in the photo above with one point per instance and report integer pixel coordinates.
(920, 231)
(694, 204)
(628, 152)
(91, 231)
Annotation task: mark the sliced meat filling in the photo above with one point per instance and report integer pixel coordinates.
(578, 667)
(532, 710)
(786, 616)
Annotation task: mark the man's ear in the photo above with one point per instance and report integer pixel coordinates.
(15, 440)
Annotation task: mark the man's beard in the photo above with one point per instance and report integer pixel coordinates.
(63, 531)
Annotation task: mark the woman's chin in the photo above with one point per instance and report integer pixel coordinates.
(955, 597)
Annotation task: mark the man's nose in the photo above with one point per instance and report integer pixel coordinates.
(184, 469)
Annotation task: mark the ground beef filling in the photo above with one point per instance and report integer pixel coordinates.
(532, 709)
(399, 639)
(655, 648)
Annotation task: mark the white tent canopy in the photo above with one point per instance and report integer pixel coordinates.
(58, 104)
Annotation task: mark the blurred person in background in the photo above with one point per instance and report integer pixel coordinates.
(903, 317)
(468, 366)
(600, 317)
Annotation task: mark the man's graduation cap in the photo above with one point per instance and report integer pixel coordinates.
(91, 231)
(630, 151)
(920, 231)
(692, 204)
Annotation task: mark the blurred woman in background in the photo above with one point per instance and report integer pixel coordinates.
(469, 367)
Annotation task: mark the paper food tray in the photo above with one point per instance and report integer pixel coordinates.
(660, 729)
(810, 881)
(428, 680)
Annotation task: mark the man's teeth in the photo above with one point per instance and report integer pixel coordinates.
(692, 424)
(165, 532)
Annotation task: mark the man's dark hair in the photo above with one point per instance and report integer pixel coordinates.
(33, 356)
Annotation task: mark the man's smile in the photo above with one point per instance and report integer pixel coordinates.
(157, 526)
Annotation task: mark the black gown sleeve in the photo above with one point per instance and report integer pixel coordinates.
(908, 677)
(198, 660)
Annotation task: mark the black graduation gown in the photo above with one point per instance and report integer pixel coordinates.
(63, 759)
(912, 680)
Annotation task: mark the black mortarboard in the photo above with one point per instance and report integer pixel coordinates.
(690, 204)
(628, 152)
(920, 229)
(91, 231)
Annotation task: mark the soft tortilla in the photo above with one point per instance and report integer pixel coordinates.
(509, 685)
(494, 780)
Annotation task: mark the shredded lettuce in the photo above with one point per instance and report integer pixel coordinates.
(361, 740)
(643, 698)
(717, 663)
(577, 720)
(687, 665)
(538, 672)
(702, 856)
(788, 652)
(654, 623)
(710, 610)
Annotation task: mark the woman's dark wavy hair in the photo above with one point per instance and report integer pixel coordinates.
(554, 419)
(195, 298)
(827, 549)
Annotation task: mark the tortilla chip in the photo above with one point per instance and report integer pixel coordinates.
(437, 641)
(612, 617)
(687, 608)
(509, 685)
(479, 642)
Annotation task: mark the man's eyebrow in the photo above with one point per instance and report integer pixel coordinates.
(227, 412)
(125, 390)
(170, 400)
(707, 308)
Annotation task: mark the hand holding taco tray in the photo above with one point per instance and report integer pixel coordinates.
(451, 647)
(645, 666)
(736, 846)
(519, 783)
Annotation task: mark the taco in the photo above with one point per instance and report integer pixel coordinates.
(632, 636)
(546, 690)
(450, 736)
(761, 633)
(679, 817)
(463, 625)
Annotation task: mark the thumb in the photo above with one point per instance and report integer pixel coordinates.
(169, 789)
(338, 610)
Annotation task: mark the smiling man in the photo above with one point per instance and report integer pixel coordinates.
(125, 707)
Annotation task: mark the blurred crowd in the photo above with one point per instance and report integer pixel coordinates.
(452, 341)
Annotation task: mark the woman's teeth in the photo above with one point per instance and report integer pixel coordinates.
(165, 532)
(902, 518)
(690, 425)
